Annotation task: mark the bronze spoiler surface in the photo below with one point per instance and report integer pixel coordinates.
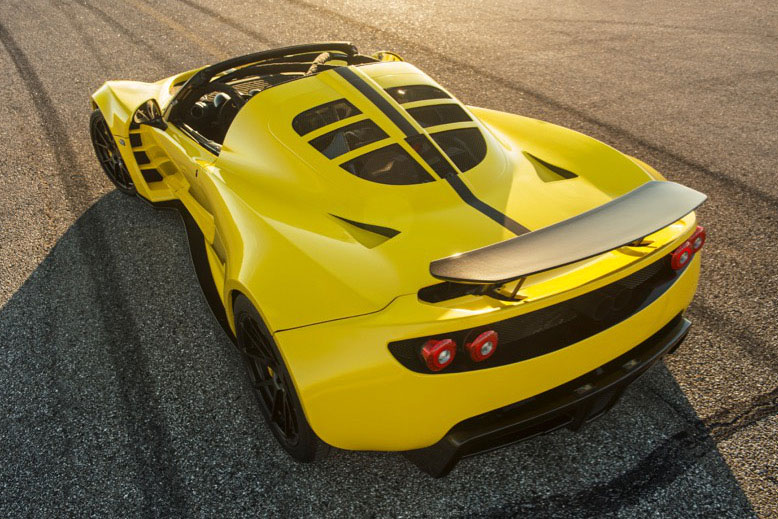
(642, 211)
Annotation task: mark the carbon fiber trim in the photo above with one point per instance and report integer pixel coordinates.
(552, 328)
(637, 214)
(570, 405)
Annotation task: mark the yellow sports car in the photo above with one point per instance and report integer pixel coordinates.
(400, 271)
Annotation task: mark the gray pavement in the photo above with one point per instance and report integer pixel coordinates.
(121, 396)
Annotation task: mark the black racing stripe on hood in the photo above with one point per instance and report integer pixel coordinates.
(503, 219)
(406, 127)
(378, 100)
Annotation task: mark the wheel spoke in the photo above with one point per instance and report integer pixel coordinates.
(263, 383)
(285, 426)
(127, 179)
(278, 403)
(115, 168)
(253, 333)
(259, 353)
(273, 388)
(251, 367)
(265, 353)
(290, 429)
(259, 348)
(108, 155)
(100, 140)
(106, 133)
(293, 419)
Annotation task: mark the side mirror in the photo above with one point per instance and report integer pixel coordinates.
(149, 114)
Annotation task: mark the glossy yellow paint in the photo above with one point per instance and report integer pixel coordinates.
(334, 297)
(357, 396)
(118, 101)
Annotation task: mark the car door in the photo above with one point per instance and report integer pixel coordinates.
(196, 190)
(190, 158)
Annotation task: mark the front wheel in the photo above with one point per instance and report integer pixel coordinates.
(273, 386)
(108, 154)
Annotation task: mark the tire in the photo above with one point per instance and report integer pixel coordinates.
(108, 154)
(273, 386)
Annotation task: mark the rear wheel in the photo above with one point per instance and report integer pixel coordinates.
(273, 386)
(108, 154)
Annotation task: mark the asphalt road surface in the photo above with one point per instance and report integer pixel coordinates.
(119, 393)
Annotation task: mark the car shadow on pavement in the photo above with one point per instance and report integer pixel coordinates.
(122, 395)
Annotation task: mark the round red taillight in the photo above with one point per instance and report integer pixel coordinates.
(483, 346)
(681, 256)
(698, 238)
(439, 354)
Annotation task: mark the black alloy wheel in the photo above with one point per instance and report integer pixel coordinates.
(273, 386)
(270, 384)
(108, 154)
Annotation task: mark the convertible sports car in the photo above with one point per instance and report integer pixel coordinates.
(400, 271)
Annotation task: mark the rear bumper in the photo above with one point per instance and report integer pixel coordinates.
(570, 405)
(356, 395)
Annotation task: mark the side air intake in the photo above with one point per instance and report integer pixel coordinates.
(367, 234)
(549, 172)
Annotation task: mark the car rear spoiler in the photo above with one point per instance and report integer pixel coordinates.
(624, 220)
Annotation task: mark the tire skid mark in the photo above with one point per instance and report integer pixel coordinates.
(177, 28)
(641, 24)
(670, 459)
(128, 34)
(135, 388)
(731, 183)
(231, 23)
(84, 36)
(725, 423)
(77, 194)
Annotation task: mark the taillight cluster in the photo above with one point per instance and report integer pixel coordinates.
(684, 254)
(438, 354)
